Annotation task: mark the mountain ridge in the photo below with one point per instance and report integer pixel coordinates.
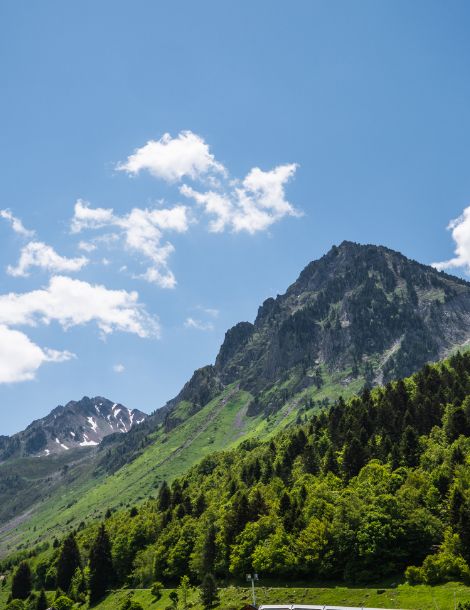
(304, 316)
(354, 318)
(82, 423)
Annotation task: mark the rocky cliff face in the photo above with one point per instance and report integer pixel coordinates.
(361, 307)
(82, 423)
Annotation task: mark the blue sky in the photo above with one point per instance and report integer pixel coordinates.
(292, 126)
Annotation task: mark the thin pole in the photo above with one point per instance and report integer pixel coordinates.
(253, 591)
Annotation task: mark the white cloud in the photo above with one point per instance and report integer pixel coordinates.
(16, 224)
(172, 159)
(460, 228)
(210, 311)
(252, 206)
(38, 254)
(86, 246)
(73, 302)
(90, 218)
(142, 231)
(198, 324)
(20, 358)
(214, 204)
(119, 368)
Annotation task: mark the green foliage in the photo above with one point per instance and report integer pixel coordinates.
(157, 589)
(101, 565)
(184, 590)
(131, 604)
(209, 595)
(22, 581)
(42, 603)
(68, 562)
(62, 603)
(78, 586)
(174, 599)
(386, 484)
(16, 604)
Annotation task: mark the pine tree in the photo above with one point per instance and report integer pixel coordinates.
(22, 582)
(42, 603)
(200, 506)
(183, 591)
(310, 459)
(456, 502)
(409, 446)
(209, 595)
(68, 562)
(101, 565)
(331, 463)
(353, 458)
(164, 497)
(209, 550)
(463, 529)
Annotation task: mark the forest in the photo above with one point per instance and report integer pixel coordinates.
(373, 487)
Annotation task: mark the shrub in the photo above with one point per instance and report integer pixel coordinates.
(62, 603)
(157, 590)
(414, 575)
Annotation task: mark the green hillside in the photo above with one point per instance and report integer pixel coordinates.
(371, 490)
(358, 316)
(221, 424)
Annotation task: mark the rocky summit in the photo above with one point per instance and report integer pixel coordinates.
(82, 423)
(364, 309)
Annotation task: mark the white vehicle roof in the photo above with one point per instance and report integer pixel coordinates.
(305, 607)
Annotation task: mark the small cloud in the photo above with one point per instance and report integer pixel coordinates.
(142, 232)
(20, 358)
(72, 302)
(16, 224)
(172, 159)
(460, 228)
(86, 246)
(119, 368)
(210, 311)
(40, 255)
(198, 324)
(251, 205)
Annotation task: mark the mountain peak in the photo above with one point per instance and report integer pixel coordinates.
(363, 309)
(78, 424)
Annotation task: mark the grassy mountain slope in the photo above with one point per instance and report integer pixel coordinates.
(355, 493)
(85, 494)
(361, 314)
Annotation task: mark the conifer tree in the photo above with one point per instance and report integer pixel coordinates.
(209, 595)
(456, 501)
(331, 463)
(409, 446)
(164, 497)
(353, 458)
(101, 565)
(68, 562)
(22, 582)
(200, 506)
(42, 603)
(183, 592)
(209, 550)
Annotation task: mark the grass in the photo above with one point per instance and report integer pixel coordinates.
(420, 597)
(221, 424)
(402, 596)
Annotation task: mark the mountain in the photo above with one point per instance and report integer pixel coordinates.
(362, 308)
(82, 423)
(357, 493)
(359, 316)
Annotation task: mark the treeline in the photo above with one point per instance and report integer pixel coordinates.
(367, 489)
